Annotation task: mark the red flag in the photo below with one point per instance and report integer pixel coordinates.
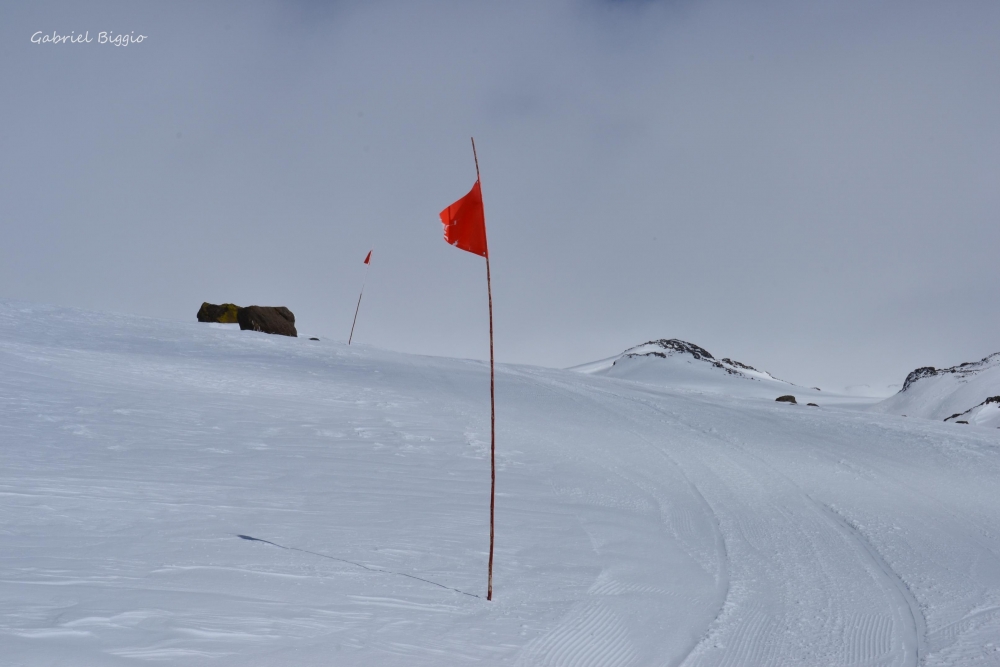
(465, 224)
(465, 228)
(369, 257)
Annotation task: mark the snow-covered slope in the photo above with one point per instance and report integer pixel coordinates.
(682, 365)
(174, 493)
(967, 393)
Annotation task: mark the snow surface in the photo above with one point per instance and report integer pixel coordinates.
(960, 393)
(637, 524)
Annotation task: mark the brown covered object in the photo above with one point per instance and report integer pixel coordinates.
(269, 319)
(225, 313)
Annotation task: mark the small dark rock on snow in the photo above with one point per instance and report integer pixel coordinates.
(787, 398)
(812, 404)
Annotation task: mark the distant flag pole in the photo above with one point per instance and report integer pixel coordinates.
(368, 265)
(465, 228)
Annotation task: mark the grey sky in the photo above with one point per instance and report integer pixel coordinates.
(811, 188)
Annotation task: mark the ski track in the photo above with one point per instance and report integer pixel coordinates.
(636, 525)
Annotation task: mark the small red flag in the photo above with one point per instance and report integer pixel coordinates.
(465, 224)
(369, 257)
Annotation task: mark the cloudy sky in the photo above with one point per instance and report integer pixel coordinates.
(808, 187)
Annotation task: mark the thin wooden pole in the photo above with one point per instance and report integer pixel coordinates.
(493, 411)
(493, 434)
(358, 307)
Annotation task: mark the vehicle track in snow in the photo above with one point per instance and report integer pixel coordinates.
(754, 637)
(871, 638)
(910, 617)
(592, 635)
(921, 548)
(604, 629)
(917, 626)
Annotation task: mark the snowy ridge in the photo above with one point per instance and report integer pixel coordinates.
(967, 393)
(193, 495)
(664, 347)
(678, 363)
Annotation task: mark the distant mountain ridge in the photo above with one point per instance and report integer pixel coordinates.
(675, 363)
(962, 370)
(666, 346)
(968, 393)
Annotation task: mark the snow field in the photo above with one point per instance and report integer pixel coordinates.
(636, 524)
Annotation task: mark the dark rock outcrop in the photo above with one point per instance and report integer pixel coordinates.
(923, 372)
(812, 404)
(269, 319)
(674, 345)
(991, 399)
(737, 364)
(787, 398)
(225, 313)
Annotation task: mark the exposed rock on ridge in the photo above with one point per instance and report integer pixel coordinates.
(269, 319)
(991, 399)
(664, 347)
(966, 393)
(962, 370)
(225, 313)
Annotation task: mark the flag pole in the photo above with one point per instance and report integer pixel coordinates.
(358, 307)
(493, 413)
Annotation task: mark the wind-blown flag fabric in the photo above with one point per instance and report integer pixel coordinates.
(465, 223)
(368, 257)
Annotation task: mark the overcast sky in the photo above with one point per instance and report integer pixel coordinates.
(812, 188)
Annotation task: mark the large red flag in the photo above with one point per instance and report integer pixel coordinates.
(465, 224)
